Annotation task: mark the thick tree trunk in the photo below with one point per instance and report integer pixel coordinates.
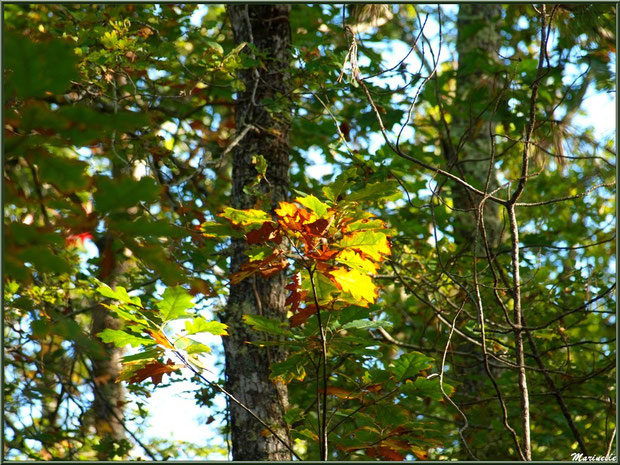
(267, 28)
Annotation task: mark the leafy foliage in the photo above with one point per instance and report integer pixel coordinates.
(119, 121)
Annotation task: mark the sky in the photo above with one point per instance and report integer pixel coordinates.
(174, 414)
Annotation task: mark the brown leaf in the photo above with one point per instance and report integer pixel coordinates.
(267, 232)
(145, 32)
(154, 370)
(302, 316)
(318, 227)
(384, 452)
(340, 392)
(200, 286)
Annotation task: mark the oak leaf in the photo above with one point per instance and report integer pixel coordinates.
(154, 370)
(267, 232)
(302, 316)
(373, 244)
(359, 285)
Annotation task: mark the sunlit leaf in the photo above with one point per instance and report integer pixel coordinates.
(175, 301)
(121, 338)
(358, 284)
(200, 325)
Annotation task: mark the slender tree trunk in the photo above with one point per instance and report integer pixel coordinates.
(468, 154)
(469, 150)
(267, 28)
(109, 396)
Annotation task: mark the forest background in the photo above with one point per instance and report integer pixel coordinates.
(476, 318)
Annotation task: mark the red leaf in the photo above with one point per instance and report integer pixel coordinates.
(154, 370)
(302, 316)
(295, 297)
(317, 228)
(78, 239)
(264, 267)
(324, 254)
(265, 233)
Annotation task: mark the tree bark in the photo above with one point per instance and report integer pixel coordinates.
(267, 28)
(109, 396)
(468, 154)
(469, 149)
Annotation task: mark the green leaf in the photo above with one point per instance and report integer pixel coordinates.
(200, 325)
(373, 244)
(261, 164)
(292, 368)
(39, 328)
(191, 346)
(144, 355)
(313, 204)
(379, 191)
(423, 387)
(118, 194)
(215, 46)
(324, 286)
(121, 338)
(235, 51)
(44, 260)
(245, 217)
(267, 325)
(213, 229)
(132, 314)
(32, 69)
(366, 324)
(66, 174)
(409, 365)
(175, 301)
(119, 293)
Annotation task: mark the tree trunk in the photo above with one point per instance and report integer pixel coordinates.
(267, 28)
(469, 149)
(109, 396)
(468, 155)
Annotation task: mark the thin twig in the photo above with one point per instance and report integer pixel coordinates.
(323, 429)
(236, 401)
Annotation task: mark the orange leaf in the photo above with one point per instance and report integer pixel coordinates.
(272, 269)
(154, 370)
(421, 454)
(340, 393)
(239, 276)
(286, 209)
(160, 338)
(324, 254)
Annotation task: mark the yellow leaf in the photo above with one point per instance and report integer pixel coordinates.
(354, 260)
(372, 244)
(286, 209)
(359, 285)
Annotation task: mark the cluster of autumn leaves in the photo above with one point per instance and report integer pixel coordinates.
(333, 253)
